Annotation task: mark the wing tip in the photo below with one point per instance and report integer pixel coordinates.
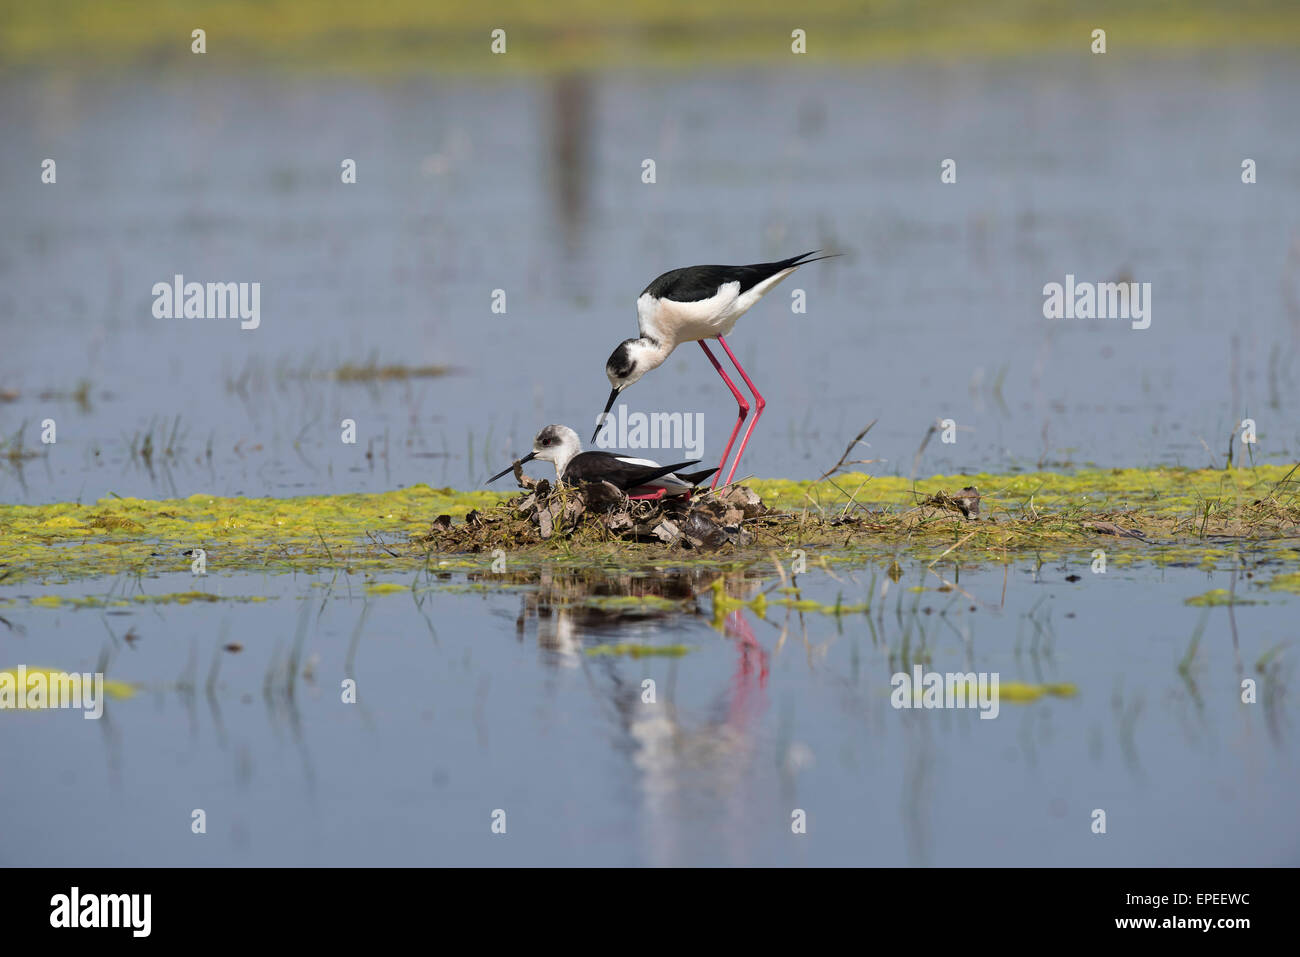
(697, 478)
(802, 259)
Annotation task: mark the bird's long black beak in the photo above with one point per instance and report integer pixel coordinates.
(527, 458)
(613, 394)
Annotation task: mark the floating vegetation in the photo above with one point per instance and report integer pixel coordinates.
(639, 651)
(1289, 581)
(175, 598)
(638, 33)
(1200, 518)
(641, 603)
(385, 588)
(259, 375)
(188, 597)
(1019, 693)
(1012, 692)
(372, 372)
(1216, 597)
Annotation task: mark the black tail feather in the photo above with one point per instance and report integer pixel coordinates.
(802, 260)
(693, 283)
(752, 275)
(696, 478)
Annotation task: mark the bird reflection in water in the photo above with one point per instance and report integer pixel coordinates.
(694, 760)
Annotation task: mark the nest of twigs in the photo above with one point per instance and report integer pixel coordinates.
(596, 511)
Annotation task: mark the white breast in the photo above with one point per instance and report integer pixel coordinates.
(677, 322)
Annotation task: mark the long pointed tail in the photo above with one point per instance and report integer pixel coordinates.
(696, 478)
(802, 259)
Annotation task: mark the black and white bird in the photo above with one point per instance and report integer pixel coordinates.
(691, 305)
(640, 478)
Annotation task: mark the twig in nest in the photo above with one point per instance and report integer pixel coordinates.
(523, 480)
(836, 467)
(967, 501)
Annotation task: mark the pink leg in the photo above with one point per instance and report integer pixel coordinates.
(759, 405)
(740, 401)
(740, 710)
(650, 496)
(654, 496)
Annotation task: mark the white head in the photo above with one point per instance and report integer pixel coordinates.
(629, 362)
(557, 444)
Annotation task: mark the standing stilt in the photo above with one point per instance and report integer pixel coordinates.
(740, 401)
(759, 405)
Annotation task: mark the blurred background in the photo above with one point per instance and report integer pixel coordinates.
(522, 171)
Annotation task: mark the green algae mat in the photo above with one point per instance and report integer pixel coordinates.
(565, 35)
(1165, 516)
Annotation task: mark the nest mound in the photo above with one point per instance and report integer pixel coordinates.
(597, 511)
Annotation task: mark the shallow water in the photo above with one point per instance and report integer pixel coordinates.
(469, 702)
(476, 693)
(465, 187)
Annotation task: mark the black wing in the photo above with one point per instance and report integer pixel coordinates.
(693, 283)
(604, 467)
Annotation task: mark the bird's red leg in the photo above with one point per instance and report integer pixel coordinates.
(744, 701)
(759, 405)
(740, 401)
(649, 495)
